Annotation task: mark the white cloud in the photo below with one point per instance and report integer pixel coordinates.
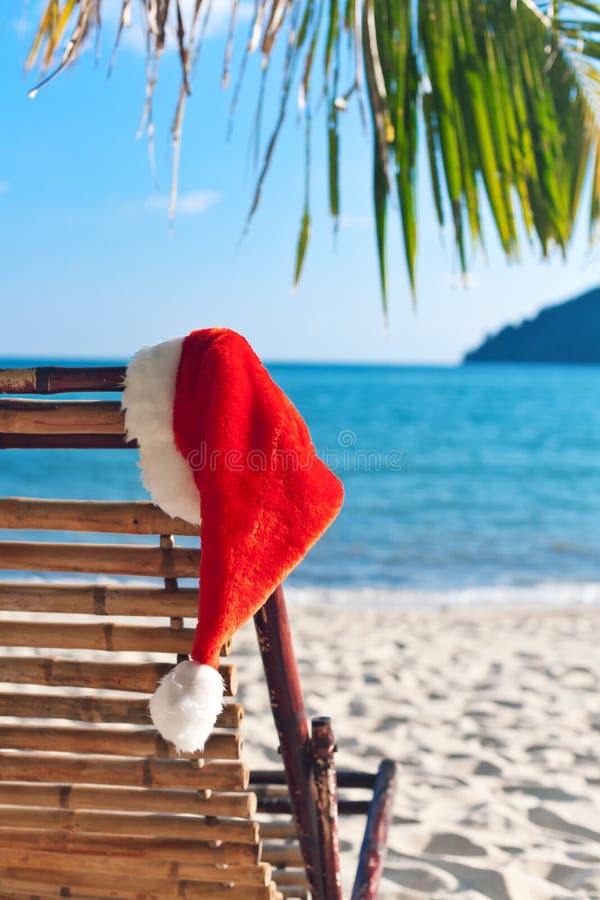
(21, 26)
(193, 203)
(456, 280)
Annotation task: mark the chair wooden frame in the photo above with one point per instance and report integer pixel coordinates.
(307, 754)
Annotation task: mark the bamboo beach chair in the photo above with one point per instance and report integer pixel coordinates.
(93, 803)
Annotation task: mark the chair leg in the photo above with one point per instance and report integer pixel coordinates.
(323, 745)
(287, 703)
(374, 845)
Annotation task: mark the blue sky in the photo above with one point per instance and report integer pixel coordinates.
(89, 265)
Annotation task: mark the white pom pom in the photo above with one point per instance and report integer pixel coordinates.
(185, 705)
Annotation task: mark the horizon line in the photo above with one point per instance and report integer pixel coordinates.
(121, 361)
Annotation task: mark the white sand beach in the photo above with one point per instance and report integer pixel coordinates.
(494, 717)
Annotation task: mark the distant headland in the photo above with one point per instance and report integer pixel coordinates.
(566, 333)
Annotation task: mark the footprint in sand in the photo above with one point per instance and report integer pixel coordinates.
(484, 767)
(484, 881)
(571, 877)
(390, 722)
(451, 844)
(547, 819)
(542, 792)
(583, 856)
(509, 704)
(423, 880)
(488, 740)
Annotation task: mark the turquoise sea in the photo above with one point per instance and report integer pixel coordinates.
(467, 484)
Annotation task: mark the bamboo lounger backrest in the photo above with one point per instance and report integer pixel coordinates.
(93, 803)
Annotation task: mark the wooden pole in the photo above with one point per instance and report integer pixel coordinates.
(374, 845)
(323, 745)
(287, 704)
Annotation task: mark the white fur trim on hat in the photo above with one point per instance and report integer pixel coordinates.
(148, 400)
(185, 705)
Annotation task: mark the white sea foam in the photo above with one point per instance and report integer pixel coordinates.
(545, 593)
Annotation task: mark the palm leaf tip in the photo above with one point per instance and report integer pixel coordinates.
(504, 94)
(302, 246)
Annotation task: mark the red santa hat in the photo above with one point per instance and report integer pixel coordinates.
(222, 446)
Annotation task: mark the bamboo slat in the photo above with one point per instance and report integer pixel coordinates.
(231, 892)
(76, 895)
(83, 893)
(61, 379)
(200, 828)
(139, 677)
(284, 830)
(61, 417)
(294, 877)
(101, 636)
(269, 791)
(91, 636)
(65, 442)
(156, 773)
(92, 884)
(79, 708)
(201, 852)
(74, 796)
(111, 895)
(90, 515)
(17, 895)
(98, 600)
(258, 875)
(294, 893)
(287, 855)
(282, 806)
(99, 559)
(139, 742)
(346, 778)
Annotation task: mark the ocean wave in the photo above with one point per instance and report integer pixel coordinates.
(544, 593)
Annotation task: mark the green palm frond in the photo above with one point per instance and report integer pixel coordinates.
(505, 93)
